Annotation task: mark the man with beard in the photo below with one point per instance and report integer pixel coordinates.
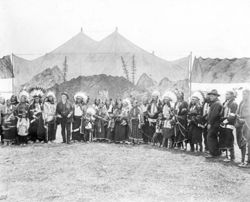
(213, 119)
(64, 111)
(243, 127)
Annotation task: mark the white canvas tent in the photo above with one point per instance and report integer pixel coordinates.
(109, 56)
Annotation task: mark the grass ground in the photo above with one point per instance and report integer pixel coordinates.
(110, 172)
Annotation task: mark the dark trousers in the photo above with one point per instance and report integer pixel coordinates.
(243, 140)
(145, 129)
(33, 131)
(151, 131)
(51, 131)
(22, 139)
(157, 137)
(212, 141)
(1, 134)
(226, 141)
(66, 130)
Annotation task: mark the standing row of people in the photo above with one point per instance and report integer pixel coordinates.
(203, 123)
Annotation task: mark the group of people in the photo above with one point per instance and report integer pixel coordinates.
(202, 124)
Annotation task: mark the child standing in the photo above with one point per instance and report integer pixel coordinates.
(158, 128)
(23, 125)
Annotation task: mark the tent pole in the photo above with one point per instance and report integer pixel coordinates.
(13, 78)
(190, 74)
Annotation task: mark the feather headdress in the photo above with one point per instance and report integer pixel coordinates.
(156, 93)
(25, 94)
(37, 92)
(170, 95)
(51, 94)
(81, 95)
(199, 95)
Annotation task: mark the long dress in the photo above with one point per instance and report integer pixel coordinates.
(135, 123)
(101, 124)
(37, 130)
(9, 125)
(145, 125)
(121, 126)
(110, 128)
(181, 110)
(195, 125)
(110, 123)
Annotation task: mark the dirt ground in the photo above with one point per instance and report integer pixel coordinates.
(110, 172)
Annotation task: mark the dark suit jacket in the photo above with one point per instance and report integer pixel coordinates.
(64, 110)
(215, 113)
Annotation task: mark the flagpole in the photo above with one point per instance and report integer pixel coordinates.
(13, 78)
(190, 74)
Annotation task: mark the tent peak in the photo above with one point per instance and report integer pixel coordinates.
(116, 29)
(81, 29)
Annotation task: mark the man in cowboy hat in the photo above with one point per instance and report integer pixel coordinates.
(213, 119)
(64, 111)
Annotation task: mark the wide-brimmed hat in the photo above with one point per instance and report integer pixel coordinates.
(66, 94)
(214, 92)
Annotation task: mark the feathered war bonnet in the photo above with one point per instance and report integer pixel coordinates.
(37, 92)
(82, 96)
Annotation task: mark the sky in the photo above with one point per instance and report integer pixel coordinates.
(170, 28)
